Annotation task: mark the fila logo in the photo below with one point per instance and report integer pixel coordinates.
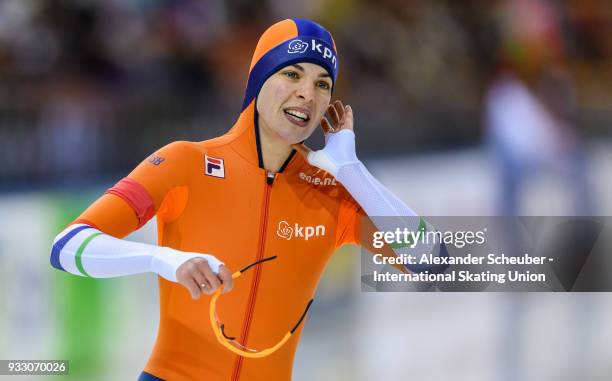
(214, 167)
(287, 231)
(299, 46)
(317, 180)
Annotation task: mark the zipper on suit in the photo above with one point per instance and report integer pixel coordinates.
(256, 278)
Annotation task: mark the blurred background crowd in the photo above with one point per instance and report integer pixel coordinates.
(90, 88)
(472, 107)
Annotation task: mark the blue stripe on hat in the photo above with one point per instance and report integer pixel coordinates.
(312, 29)
(59, 245)
(300, 49)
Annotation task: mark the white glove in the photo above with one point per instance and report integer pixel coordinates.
(339, 151)
(338, 157)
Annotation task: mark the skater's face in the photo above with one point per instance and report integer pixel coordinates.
(293, 100)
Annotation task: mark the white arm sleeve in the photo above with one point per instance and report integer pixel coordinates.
(83, 250)
(374, 198)
(339, 158)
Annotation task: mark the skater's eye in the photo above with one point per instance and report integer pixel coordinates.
(324, 85)
(291, 74)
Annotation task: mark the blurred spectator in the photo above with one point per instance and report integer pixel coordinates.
(530, 108)
(530, 120)
(73, 140)
(413, 70)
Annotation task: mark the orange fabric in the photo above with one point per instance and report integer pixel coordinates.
(239, 219)
(348, 221)
(110, 214)
(275, 35)
(84, 221)
(174, 203)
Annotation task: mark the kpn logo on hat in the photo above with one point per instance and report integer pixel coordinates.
(299, 46)
(288, 42)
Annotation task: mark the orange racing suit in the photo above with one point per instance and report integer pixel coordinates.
(240, 214)
(215, 197)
